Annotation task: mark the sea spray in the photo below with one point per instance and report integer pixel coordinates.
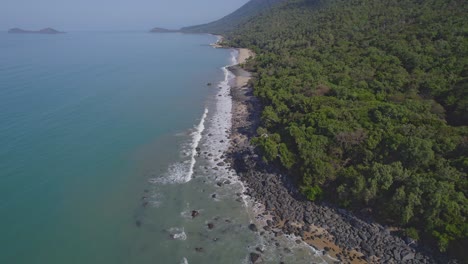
(177, 233)
(221, 119)
(182, 172)
(197, 135)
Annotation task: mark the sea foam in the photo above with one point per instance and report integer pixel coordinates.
(182, 172)
(178, 233)
(196, 137)
(221, 120)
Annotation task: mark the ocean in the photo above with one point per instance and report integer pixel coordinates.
(112, 151)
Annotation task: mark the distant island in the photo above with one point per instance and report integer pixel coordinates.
(163, 30)
(42, 31)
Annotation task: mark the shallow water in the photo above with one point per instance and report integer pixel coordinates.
(99, 160)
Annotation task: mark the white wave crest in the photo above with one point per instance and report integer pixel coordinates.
(178, 233)
(220, 124)
(182, 172)
(196, 137)
(176, 173)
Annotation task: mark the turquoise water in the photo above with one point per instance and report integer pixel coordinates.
(75, 111)
(98, 160)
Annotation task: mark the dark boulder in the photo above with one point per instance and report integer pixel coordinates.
(195, 213)
(254, 257)
(408, 256)
(253, 227)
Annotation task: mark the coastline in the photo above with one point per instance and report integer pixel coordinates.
(246, 113)
(217, 44)
(334, 232)
(244, 54)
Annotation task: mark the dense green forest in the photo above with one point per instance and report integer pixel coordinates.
(366, 103)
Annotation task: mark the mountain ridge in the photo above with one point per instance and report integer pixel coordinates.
(231, 21)
(48, 30)
(163, 30)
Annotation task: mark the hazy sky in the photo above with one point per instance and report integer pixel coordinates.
(111, 14)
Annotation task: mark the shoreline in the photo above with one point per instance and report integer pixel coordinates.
(246, 113)
(335, 232)
(217, 45)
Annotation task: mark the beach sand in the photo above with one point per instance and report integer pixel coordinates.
(244, 54)
(242, 76)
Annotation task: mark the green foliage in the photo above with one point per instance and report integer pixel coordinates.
(368, 100)
(312, 192)
(232, 20)
(412, 233)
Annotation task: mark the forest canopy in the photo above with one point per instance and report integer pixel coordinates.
(366, 104)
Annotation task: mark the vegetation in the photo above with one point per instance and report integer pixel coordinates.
(366, 101)
(233, 20)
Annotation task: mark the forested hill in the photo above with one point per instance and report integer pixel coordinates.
(366, 103)
(231, 21)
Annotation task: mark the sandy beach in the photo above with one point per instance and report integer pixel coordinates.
(244, 54)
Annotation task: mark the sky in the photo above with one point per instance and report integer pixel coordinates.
(69, 15)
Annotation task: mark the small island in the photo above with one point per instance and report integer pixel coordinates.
(42, 31)
(163, 30)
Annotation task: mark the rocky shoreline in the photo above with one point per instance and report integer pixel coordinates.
(337, 232)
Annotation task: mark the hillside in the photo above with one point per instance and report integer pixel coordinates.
(231, 21)
(42, 31)
(366, 104)
(162, 30)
